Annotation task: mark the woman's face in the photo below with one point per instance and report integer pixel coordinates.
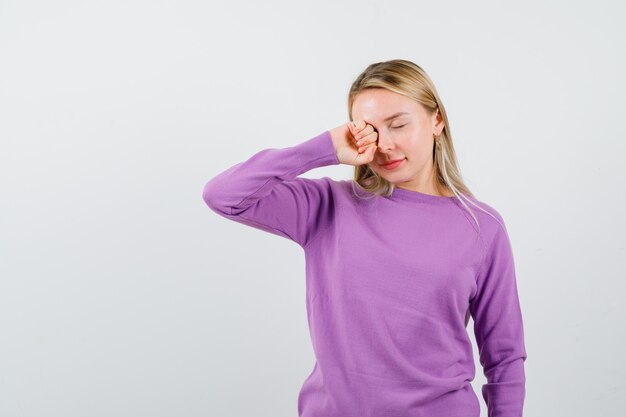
(405, 133)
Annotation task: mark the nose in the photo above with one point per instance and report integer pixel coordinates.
(385, 144)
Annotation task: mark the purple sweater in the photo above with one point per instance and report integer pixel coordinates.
(390, 286)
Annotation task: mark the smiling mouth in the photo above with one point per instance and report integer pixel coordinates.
(391, 162)
(392, 165)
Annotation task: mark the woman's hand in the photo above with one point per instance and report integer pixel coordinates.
(355, 142)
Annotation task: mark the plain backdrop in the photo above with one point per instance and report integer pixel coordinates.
(123, 294)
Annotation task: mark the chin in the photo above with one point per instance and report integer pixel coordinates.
(394, 178)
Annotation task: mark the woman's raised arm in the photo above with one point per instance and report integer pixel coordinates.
(265, 192)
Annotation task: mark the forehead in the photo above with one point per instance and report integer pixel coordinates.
(378, 104)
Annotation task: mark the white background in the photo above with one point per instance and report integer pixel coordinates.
(123, 294)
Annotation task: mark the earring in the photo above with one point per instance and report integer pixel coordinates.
(437, 142)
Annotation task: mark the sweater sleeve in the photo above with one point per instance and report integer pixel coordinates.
(499, 329)
(264, 191)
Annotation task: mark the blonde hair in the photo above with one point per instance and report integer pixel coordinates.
(410, 80)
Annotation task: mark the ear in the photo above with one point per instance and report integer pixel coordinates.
(437, 121)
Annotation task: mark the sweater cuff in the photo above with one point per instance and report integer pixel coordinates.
(316, 152)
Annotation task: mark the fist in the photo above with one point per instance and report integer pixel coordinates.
(355, 142)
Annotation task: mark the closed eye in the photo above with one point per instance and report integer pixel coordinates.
(398, 127)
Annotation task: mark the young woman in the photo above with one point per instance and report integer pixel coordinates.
(397, 260)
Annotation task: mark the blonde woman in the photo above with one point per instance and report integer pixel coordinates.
(398, 258)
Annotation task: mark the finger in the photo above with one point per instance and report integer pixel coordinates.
(366, 140)
(359, 125)
(365, 137)
(367, 154)
(365, 148)
(365, 131)
(353, 128)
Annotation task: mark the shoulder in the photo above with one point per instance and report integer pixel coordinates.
(494, 235)
(492, 215)
(492, 223)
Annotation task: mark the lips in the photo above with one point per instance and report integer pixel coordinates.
(391, 162)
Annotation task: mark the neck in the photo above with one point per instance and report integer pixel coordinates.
(427, 185)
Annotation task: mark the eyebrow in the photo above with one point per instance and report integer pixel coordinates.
(393, 116)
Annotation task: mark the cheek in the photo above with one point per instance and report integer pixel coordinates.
(411, 143)
(418, 150)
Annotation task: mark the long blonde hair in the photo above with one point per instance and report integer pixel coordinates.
(410, 80)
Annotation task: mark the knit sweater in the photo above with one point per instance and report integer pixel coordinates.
(391, 283)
